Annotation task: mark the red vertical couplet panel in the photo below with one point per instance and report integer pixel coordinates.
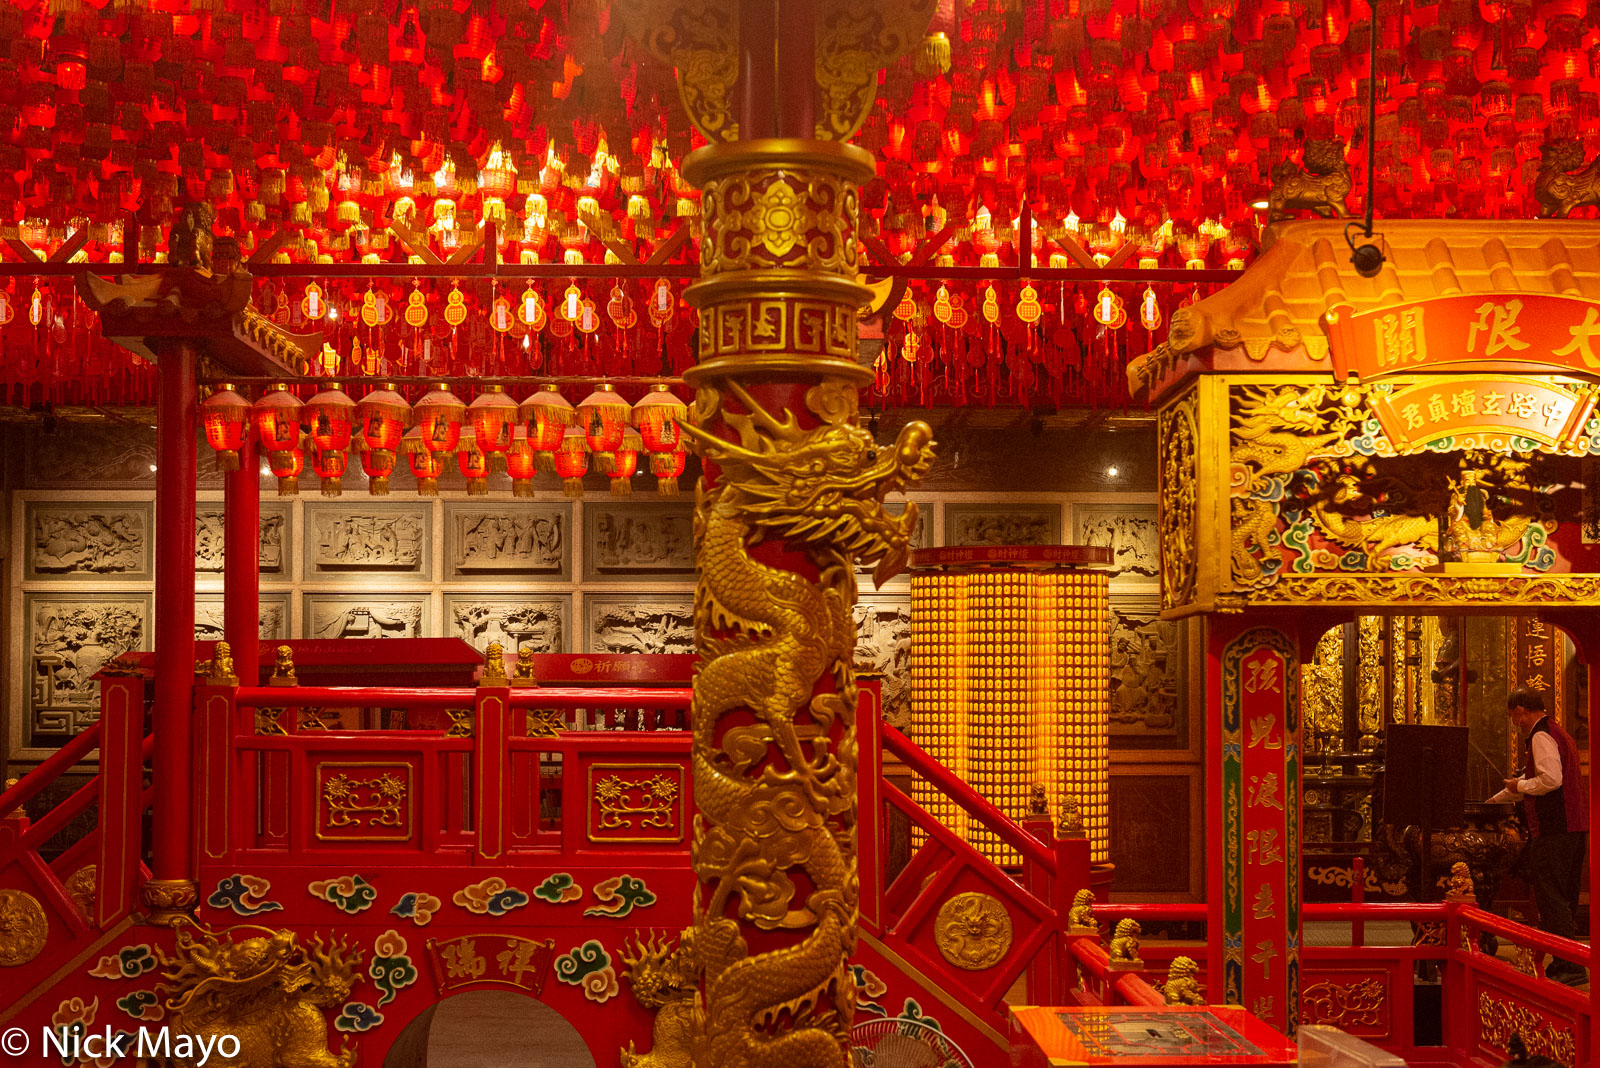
(491, 768)
(213, 782)
(1261, 823)
(241, 554)
(121, 784)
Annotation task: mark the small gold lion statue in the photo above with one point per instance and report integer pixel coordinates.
(524, 665)
(1081, 915)
(1320, 186)
(1563, 182)
(1181, 987)
(283, 669)
(222, 661)
(1461, 888)
(1124, 947)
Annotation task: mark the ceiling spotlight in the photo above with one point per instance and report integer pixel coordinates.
(152, 467)
(1111, 472)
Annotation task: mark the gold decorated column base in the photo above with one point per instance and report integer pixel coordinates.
(169, 901)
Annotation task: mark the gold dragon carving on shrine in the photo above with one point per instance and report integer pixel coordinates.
(774, 766)
(1176, 521)
(270, 991)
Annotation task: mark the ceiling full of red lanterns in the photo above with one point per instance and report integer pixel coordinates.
(1126, 132)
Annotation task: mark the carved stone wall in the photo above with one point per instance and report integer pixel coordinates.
(67, 638)
(209, 537)
(89, 542)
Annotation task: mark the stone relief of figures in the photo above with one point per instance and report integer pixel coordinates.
(209, 539)
(68, 641)
(641, 539)
(1022, 525)
(641, 627)
(99, 541)
(540, 625)
(84, 456)
(1130, 533)
(344, 618)
(883, 647)
(1146, 673)
(524, 540)
(372, 540)
(208, 624)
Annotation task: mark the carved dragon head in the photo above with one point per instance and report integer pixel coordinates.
(659, 973)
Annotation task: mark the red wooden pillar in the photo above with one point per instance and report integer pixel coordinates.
(121, 789)
(491, 767)
(241, 575)
(171, 890)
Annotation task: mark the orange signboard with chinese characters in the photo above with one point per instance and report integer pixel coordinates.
(1475, 410)
(1516, 332)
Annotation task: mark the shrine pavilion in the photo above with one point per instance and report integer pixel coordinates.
(733, 533)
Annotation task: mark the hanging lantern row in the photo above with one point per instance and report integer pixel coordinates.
(543, 433)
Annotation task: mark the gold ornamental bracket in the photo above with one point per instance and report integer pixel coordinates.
(852, 41)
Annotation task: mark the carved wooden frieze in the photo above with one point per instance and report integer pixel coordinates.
(208, 621)
(625, 541)
(371, 616)
(89, 542)
(883, 647)
(514, 538)
(1148, 691)
(536, 622)
(1002, 524)
(642, 623)
(84, 456)
(1129, 531)
(365, 539)
(68, 638)
(209, 538)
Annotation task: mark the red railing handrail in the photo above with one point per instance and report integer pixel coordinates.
(53, 765)
(565, 697)
(63, 812)
(1169, 911)
(1522, 934)
(941, 777)
(1094, 959)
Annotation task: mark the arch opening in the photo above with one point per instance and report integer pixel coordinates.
(484, 1028)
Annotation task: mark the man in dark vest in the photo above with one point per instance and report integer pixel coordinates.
(1557, 809)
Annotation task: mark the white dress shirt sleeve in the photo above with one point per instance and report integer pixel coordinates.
(1546, 767)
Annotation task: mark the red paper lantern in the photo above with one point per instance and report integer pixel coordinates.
(626, 462)
(474, 464)
(226, 418)
(278, 415)
(547, 415)
(521, 465)
(493, 416)
(667, 466)
(383, 415)
(438, 415)
(379, 465)
(426, 464)
(330, 466)
(603, 416)
(572, 461)
(287, 464)
(329, 417)
(659, 416)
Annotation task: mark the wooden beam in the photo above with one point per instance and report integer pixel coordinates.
(414, 243)
(665, 250)
(71, 246)
(28, 255)
(268, 248)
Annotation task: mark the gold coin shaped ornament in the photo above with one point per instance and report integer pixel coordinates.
(973, 931)
(23, 928)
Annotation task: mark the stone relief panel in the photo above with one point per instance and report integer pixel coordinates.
(89, 542)
(1002, 524)
(883, 647)
(624, 541)
(68, 638)
(1128, 530)
(357, 539)
(1148, 691)
(85, 456)
(208, 623)
(541, 623)
(660, 623)
(511, 538)
(209, 537)
(372, 616)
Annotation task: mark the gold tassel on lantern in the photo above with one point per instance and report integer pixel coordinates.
(934, 57)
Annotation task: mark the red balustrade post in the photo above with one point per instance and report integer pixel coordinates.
(1072, 875)
(214, 780)
(121, 790)
(170, 893)
(241, 574)
(1043, 973)
(491, 762)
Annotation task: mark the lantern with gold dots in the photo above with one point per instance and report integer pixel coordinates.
(382, 416)
(667, 466)
(626, 462)
(438, 415)
(659, 416)
(572, 461)
(547, 415)
(493, 415)
(286, 465)
(603, 415)
(474, 464)
(520, 464)
(426, 464)
(226, 418)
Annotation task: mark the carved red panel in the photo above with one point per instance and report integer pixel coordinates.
(638, 802)
(365, 800)
(1355, 1001)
